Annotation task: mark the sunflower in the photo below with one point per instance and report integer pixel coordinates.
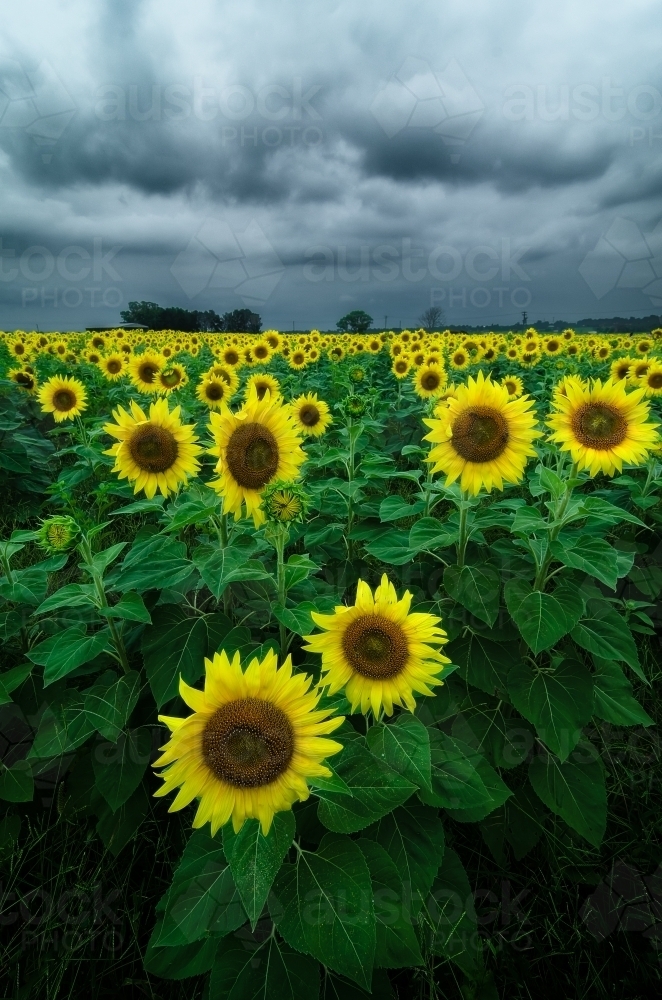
(273, 339)
(155, 452)
(171, 378)
(401, 366)
(213, 392)
(260, 385)
(553, 345)
(250, 746)
(298, 360)
(336, 353)
(64, 397)
(143, 369)
(378, 651)
(459, 359)
(113, 366)
(429, 381)
(652, 380)
(231, 356)
(620, 368)
(482, 436)
(227, 374)
(255, 446)
(643, 346)
(24, 379)
(514, 385)
(602, 426)
(311, 415)
(638, 370)
(262, 351)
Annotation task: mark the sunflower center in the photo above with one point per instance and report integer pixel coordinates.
(376, 647)
(148, 372)
(153, 449)
(261, 352)
(25, 380)
(480, 434)
(252, 456)
(170, 378)
(655, 381)
(599, 426)
(261, 388)
(64, 400)
(214, 392)
(309, 415)
(430, 381)
(248, 742)
(232, 357)
(114, 367)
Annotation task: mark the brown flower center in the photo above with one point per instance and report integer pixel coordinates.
(231, 356)
(114, 366)
(170, 378)
(596, 425)
(64, 400)
(248, 742)
(261, 388)
(153, 448)
(480, 434)
(376, 647)
(655, 380)
(309, 415)
(252, 456)
(261, 351)
(147, 372)
(430, 381)
(214, 391)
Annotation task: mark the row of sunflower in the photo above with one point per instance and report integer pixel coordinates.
(307, 557)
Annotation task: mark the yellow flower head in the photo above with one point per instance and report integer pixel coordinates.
(311, 415)
(64, 397)
(483, 436)
(254, 739)
(378, 651)
(429, 381)
(155, 452)
(259, 385)
(143, 371)
(603, 426)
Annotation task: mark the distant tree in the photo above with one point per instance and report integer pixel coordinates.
(357, 321)
(156, 317)
(432, 318)
(242, 321)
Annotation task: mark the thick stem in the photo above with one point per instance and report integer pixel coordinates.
(279, 543)
(462, 538)
(227, 593)
(541, 576)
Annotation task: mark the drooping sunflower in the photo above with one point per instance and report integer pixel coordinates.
(143, 369)
(514, 385)
(227, 374)
(429, 381)
(153, 452)
(254, 739)
(311, 415)
(24, 379)
(603, 426)
(620, 368)
(259, 385)
(378, 651)
(482, 437)
(254, 446)
(170, 378)
(113, 366)
(213, 392)
(63, 396)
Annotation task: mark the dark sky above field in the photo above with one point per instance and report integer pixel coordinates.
(308, 158)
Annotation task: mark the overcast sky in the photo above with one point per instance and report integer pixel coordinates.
(308, 158)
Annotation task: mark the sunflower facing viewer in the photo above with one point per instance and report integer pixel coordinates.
(254, 739)
(483, 436)
(603, 426)
(156, 452)
(64, 397)
(378, 651)
(311, 415)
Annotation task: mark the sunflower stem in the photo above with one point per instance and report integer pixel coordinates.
(652, 465)
(462, 534)
(280, 539)
(86, 552)
(556, 523)
(350, 479)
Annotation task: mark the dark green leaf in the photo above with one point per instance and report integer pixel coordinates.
(591, 555)
(119, 767)
(273, 969)
(182, 961)
(405, 746)
(484, 660)
(221, 567)
(614, 700)
(429, 534)
(397, 944)
(153, 563)
(606, 635)
(16, 782)
(558, 702)
(391, 547)
(63, 652)
(394, 507)
(476, 588)
(456, 781)
(177, 644)
(541, 618)
(63, 726)
(255, 859)
(453, 917)
(573, 790)
(72, 596)
(12, 679)
(117, 828)
(413, 838)
(109, 702)
(131, 608)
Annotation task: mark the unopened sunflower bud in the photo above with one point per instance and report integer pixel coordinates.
(58, 534)
(285, 502)
(355, 406)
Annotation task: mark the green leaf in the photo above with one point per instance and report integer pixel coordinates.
(393, 508)
(16, 782)
(484, 660)
(221, 567)
(74, 595)
(397, 944)
(11, 623)
(542, 619)
(391, 547)
(497, 790)
(203, 898)
(109, 702)
(551, 482)
(131, 608)
(140, 507)
(614, 700)
(323, 534)
(191, 512)
(273, 969)
(476, 588)
(528, 521)
(12, 679)
(179, 962)
(405, 746)
(523, 826)
(177, 644)
(117, 828)
(647, 579)
(63, 652)
(558, 703)
(573, 790)
(297, 569)
(453, 917)
(456, 781)
(376, 789)
(429, 534)
(606, 635)
(296, 619)
(413, 838)
(153, 563)
(29, 586)
(119, 767)
(63, 726)
(255, 859)
(333, 784)
(594, 556)
(102, 560)
(597, 507)
(323, 905)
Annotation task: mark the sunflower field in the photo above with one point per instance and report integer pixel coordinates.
(329, 663)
